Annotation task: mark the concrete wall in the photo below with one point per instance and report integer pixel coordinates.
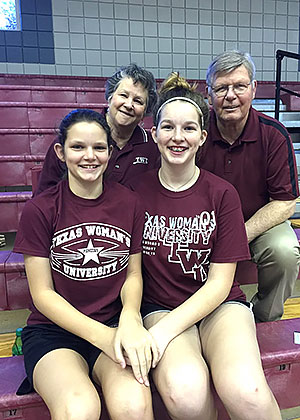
(93, 37)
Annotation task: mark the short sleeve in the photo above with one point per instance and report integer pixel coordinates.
(231, 244)
(282, 177)
(34, 233)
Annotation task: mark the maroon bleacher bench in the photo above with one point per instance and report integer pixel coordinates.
(280, 359)
(31, 406)
(12, 204)
(76, 94)
(16, 184)
(280, 355)
(39, 114)
(51, 80)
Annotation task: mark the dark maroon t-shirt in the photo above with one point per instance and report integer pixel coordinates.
(184, 232)
(137, 156)
(88, 243)
(260, 163)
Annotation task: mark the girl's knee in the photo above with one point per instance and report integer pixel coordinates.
(255, 400)
(187, 394)
(78, 406)
(131, 405)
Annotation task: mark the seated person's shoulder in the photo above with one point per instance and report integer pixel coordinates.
(216, 182)
(143, 181)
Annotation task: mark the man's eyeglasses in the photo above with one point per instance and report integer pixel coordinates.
(239, 89)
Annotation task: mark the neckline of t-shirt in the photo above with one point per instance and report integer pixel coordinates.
(179, 194)
(88, 202)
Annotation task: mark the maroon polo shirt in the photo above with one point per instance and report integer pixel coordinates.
(136, 157)
(260, 163)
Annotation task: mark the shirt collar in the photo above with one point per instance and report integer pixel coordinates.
(139, 134)
(249, 133)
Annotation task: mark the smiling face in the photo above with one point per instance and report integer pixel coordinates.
(233, 108)
(178, 134)
(86, 154)
(127, 104)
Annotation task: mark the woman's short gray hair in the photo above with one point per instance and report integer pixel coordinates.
(138, 75)
(227, 62)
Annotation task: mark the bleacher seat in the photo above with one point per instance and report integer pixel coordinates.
(280, 359)
(11, 205)
(57, 94)
(30, 111)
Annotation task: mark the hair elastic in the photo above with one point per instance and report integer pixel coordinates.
(182, 98)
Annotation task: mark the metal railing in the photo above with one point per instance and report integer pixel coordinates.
(279, 57)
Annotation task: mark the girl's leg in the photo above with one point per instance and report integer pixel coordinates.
(182, 377)
(228, 338)
(125, 398)
(61, 378)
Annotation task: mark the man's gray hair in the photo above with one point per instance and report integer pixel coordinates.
(227, 62)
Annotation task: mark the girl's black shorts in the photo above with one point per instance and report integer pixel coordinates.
(152, 308)
(40, 339)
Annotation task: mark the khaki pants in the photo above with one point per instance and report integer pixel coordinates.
(277, 255)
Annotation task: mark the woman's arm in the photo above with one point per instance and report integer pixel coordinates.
(61, 312)
(195, 308)
(131, 336)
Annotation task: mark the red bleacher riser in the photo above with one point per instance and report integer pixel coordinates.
(53, 94)
(14, 141)
(95, 95)
(11, 207)
(49, 115)
(281, 360)
(25, 141)
(40, 140)
(292, 102)
(3, 295)
(51, 80)
(15, 93)
(17, 290)
(59, 94)
(14, 114)
(16, 170)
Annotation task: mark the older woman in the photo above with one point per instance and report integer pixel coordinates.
(131, 94)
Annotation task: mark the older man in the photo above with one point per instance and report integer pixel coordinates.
(254, 152)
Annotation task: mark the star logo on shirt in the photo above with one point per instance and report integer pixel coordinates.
(90, 253)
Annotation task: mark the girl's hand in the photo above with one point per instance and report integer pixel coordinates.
(135, 345)
(107, 345)
(161, 339)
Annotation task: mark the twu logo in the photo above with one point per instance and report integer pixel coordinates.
(140, 159)
(192, 261)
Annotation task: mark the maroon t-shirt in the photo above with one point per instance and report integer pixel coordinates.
(137, 156)
(184, 232)
(88, 243)
(260, 163)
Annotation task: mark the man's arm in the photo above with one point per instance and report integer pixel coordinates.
(268, 216)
